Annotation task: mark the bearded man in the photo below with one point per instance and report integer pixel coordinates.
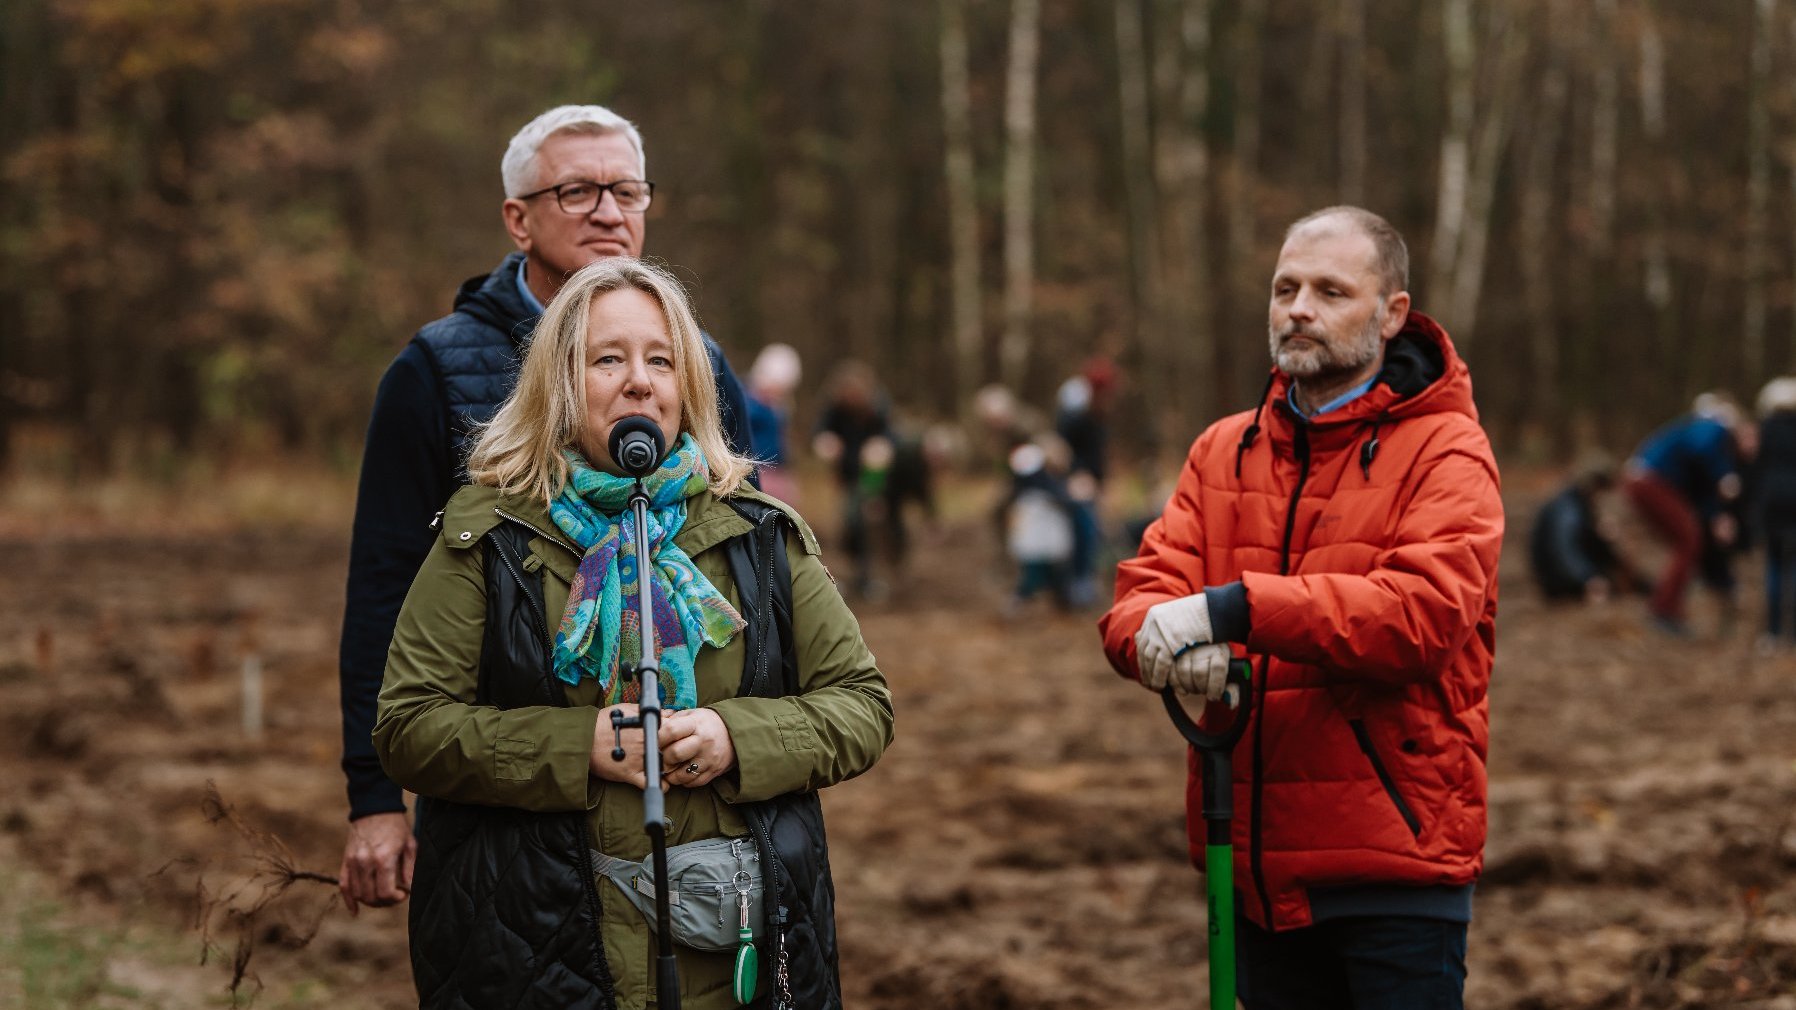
(1343, 536)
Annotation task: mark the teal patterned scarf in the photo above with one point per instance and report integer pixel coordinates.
(602, 623)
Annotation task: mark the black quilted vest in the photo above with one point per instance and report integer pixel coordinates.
(504, 909)
(476, 350)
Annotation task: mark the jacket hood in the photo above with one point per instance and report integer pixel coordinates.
(494, 299)
(1422, 374)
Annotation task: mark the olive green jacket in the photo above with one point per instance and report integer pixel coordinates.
(433, 740)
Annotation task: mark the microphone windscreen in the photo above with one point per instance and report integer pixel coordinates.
(636, 445)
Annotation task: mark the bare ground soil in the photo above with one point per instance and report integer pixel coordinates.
(1020, 846)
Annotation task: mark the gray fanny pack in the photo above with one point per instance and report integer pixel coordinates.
(707, 884)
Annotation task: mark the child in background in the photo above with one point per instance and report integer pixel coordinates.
(1039, 528)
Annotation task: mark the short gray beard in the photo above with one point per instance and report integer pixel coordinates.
(1325, 361)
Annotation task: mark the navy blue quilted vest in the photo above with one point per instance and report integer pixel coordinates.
(476, 350)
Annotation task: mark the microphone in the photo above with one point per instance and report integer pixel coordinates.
(636, 445)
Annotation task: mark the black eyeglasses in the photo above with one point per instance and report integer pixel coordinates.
(582, 197)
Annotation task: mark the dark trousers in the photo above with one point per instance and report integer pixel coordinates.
(1358, 963)
(1780, 584)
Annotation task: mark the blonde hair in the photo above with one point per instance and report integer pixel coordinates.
(520, 450)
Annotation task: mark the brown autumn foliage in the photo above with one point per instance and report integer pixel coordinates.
(222, 217)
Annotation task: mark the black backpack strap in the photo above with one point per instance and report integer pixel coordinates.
(763, 577)
(515, 647)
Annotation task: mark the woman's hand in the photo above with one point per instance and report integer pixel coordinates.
(629, 770)
(695, 738)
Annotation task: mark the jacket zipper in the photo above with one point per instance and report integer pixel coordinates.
(1384, 776)
(588, 872)
(773, 908)
(1256, 849)
(532, 527)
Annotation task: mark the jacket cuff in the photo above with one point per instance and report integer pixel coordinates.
(556, 754)
(371, 792)
(1230, 618)
(775, 749)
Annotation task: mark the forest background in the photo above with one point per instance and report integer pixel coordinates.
(222, 218)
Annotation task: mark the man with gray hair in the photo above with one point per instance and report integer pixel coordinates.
(576, 189)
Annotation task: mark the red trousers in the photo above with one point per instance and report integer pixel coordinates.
(1676, 522)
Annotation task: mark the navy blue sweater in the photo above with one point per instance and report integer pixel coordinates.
(453, 374)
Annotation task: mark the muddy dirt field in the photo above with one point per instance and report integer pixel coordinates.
(1021, 845)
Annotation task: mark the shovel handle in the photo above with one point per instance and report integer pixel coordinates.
(1239, 695)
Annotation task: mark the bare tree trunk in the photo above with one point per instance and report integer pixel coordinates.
(1243, 178)
(1656, 282)
(1318, 79)
(1181, 169)
(1537, 260)
(1019, 188)
(1456, 142)
(1604, 127)
(1144, 259)
(963, 208)
(1505, 75)
(1353, 101)
(1758, 189)
(1791, 365)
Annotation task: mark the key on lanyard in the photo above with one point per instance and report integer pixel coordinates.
(747, 960)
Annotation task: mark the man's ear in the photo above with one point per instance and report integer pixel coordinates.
(1396, 313)
(516, 225)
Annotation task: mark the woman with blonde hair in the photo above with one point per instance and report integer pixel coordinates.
(510, 656)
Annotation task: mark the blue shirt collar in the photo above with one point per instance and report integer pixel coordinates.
(530, 300)
(1335, 404)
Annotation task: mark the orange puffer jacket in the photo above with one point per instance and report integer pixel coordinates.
(1367, 542)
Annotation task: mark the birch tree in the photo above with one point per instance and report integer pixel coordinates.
(1019, 188)
(1791, 365)
(1242, 217)
(963, 208)
(1353, 100)
(1604, 127)
(1535, 227)
(1456, 143)
(1758, 189)
(1144, 259)
(1470, 158)
(1181, 164)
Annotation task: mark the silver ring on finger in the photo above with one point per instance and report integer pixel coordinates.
(692, 769)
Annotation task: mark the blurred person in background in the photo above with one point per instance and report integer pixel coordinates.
(576, 190)
(854, 437)
(1344, 536)
(1039, 520)
(772, 379)
(1572, 553)
(1685, 480)
(532, 841)
(1004, 422)
(1774, 509)
(1081, 413)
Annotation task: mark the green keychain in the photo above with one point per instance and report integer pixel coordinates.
(747, 960)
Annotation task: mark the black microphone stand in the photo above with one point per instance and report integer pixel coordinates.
(654, 814)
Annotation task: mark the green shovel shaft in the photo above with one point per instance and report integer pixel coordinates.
(1219, 877)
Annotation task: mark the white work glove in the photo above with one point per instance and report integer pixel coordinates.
(1201, 669)
(1169, 628)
